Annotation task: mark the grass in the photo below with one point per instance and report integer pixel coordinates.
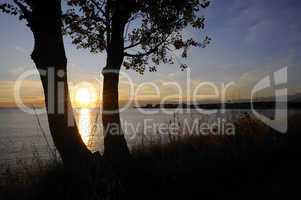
(256, 162)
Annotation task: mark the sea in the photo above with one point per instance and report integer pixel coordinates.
(25, 136)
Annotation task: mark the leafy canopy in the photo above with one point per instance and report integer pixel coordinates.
(20, 8)
(32, 10)
(152, 29)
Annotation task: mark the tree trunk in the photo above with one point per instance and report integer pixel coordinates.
(115, 146)
(114, 142)
(49, 57)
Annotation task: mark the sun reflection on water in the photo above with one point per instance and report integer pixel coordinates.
(84, 124)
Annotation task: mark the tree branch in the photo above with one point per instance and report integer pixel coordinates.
(133, 45)
(27, 14)
(99, 7)
(153, 31)
(152, 50)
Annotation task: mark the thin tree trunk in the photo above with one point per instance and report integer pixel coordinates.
(49, 57)
(114, 142)
(115, 146)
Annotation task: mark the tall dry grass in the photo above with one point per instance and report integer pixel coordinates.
(255, 161)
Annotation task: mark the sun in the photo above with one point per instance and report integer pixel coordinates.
(83, 97)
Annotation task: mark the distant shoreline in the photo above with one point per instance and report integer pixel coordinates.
(234, 105)
(242, 105)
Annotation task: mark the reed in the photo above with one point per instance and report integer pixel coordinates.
(252, 162)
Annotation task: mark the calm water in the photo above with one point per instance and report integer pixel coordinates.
(21, 136)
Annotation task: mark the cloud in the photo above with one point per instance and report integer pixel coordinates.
(16, 71)
(30, 92)
(22, 50)
(248, 80)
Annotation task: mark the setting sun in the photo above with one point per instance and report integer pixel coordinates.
(84, 97)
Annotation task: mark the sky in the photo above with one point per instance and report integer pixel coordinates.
(250, 40)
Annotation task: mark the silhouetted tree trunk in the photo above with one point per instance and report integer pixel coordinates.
(115, 146)
(49, 57)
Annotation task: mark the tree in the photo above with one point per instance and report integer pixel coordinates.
(134, 34)
(44, 20)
